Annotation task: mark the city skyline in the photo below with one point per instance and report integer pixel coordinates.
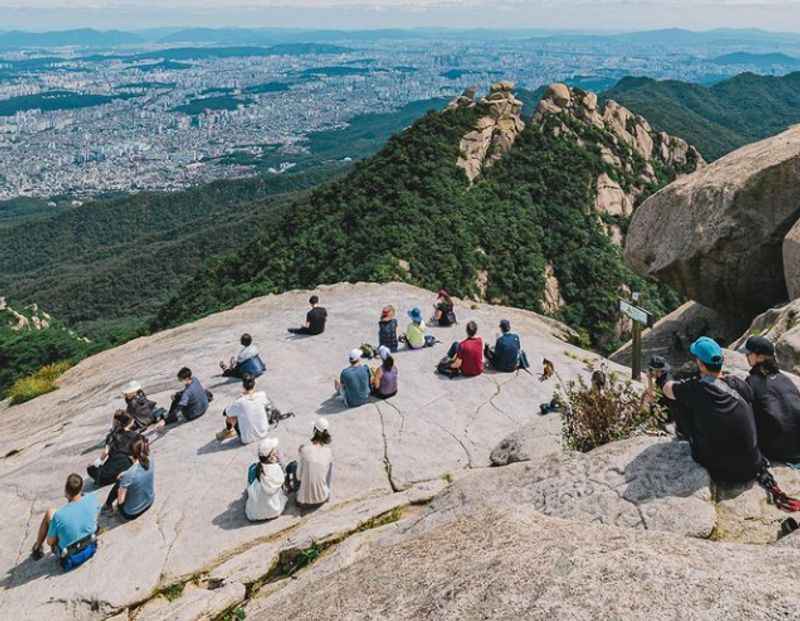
(38, 15)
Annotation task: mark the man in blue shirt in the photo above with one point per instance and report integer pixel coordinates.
(192, 401)
(353, 383)
(506, 353)
(74, 521)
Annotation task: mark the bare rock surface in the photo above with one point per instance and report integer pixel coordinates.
(717, 235)
(512, 562)
(435, 427)
(781, 325)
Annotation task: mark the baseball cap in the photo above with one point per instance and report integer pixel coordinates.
(266, 446)
(759, 345)
(707, 351)
(657, 362)
(384, 352)
(355, 355)
(321, 424)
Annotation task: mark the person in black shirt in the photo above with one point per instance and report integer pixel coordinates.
(117, 456)
(444, 309)
(315, 319)
(776, 403)
(722, 429)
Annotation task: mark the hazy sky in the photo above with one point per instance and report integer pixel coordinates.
(783, 15)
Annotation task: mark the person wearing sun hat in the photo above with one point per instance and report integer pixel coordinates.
(312, 474)
(720, 423)
(415, 332)
(143, 411)
(776, 402)
(266, 498)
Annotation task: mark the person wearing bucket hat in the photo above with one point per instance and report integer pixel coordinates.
(354, 381)
(387, 329)
(312, 474)
(143, 411)
(266, 498)
(776, 402)
(415, 332)
(719, 419)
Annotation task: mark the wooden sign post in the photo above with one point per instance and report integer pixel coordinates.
(640, 318)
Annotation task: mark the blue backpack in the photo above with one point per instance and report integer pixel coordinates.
(252, 366)
(78, 553)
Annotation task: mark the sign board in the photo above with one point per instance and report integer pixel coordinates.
(638, 315)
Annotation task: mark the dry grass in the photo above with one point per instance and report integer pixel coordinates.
(39, 383)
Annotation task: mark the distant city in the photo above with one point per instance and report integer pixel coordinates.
(79, 120)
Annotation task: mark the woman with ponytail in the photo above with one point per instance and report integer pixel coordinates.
(135, 489)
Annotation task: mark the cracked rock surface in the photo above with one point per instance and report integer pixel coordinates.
(433, 428)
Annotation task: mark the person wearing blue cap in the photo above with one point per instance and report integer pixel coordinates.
(415, 332)
(776, 403)
(720, 423)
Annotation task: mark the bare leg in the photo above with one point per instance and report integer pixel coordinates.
(42, 534)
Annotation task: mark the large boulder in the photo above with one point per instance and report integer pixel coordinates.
(780, 325)
(717, 235)
(791, 261)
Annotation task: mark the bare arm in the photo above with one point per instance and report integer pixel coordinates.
(122, 492)
(668, 391)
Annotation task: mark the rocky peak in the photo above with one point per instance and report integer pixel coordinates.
(495, 131)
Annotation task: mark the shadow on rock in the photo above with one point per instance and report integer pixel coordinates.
(332, 405)
(234, 518)
(664, 470)
(215, 446)
(29, 570)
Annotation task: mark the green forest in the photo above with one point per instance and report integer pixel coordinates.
(716, 119)
(410, 202)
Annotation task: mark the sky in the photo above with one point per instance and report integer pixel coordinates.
(617, 15)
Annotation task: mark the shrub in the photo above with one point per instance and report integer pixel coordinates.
(39, 383)
(606, 410)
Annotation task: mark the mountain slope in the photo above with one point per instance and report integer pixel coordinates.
(526, 231)
(717, 119)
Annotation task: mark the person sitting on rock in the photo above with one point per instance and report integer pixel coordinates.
(315, 319)
(466, 357)
(70, 531)
(776, 403)
(720, 422)
(354, 382)
(247, 362)
(415, 332)
(266, 499)
(192, 401)
(312, 474)
(507, 354)
(143, 411)
(247, 417)
(384, 377)
(444, 309)
(117, 455)
(387, 329)
(134, 492)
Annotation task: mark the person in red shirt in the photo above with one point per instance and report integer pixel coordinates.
(469, 353)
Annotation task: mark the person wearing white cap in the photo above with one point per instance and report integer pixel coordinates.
(353, 385)
(266, 499)
(143, 411)
(313, 471)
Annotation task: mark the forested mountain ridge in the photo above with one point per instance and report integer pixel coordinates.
(716, 119)
(528, 231)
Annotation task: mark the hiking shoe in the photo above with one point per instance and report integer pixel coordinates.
(37, 553)
(225, 434)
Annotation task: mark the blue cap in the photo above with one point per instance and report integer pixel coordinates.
(707, 351)
(415, 314)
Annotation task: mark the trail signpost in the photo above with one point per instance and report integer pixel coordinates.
(640, 318)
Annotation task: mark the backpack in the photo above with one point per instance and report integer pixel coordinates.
(523, 362)
(444, 368)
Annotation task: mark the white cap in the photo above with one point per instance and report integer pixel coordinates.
(355, 355)
(266, 446)
(131, 388)
(321, 424)
(384, 352)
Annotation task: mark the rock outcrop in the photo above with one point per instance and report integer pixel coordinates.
(717, 235)
(781, 326)
(791, 261)
(495, 131)
(31, 317)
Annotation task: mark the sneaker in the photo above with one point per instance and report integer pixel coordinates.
(37, 553)
(225, 434)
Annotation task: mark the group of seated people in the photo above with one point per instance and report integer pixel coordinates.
(732, 424)
(127, 466)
